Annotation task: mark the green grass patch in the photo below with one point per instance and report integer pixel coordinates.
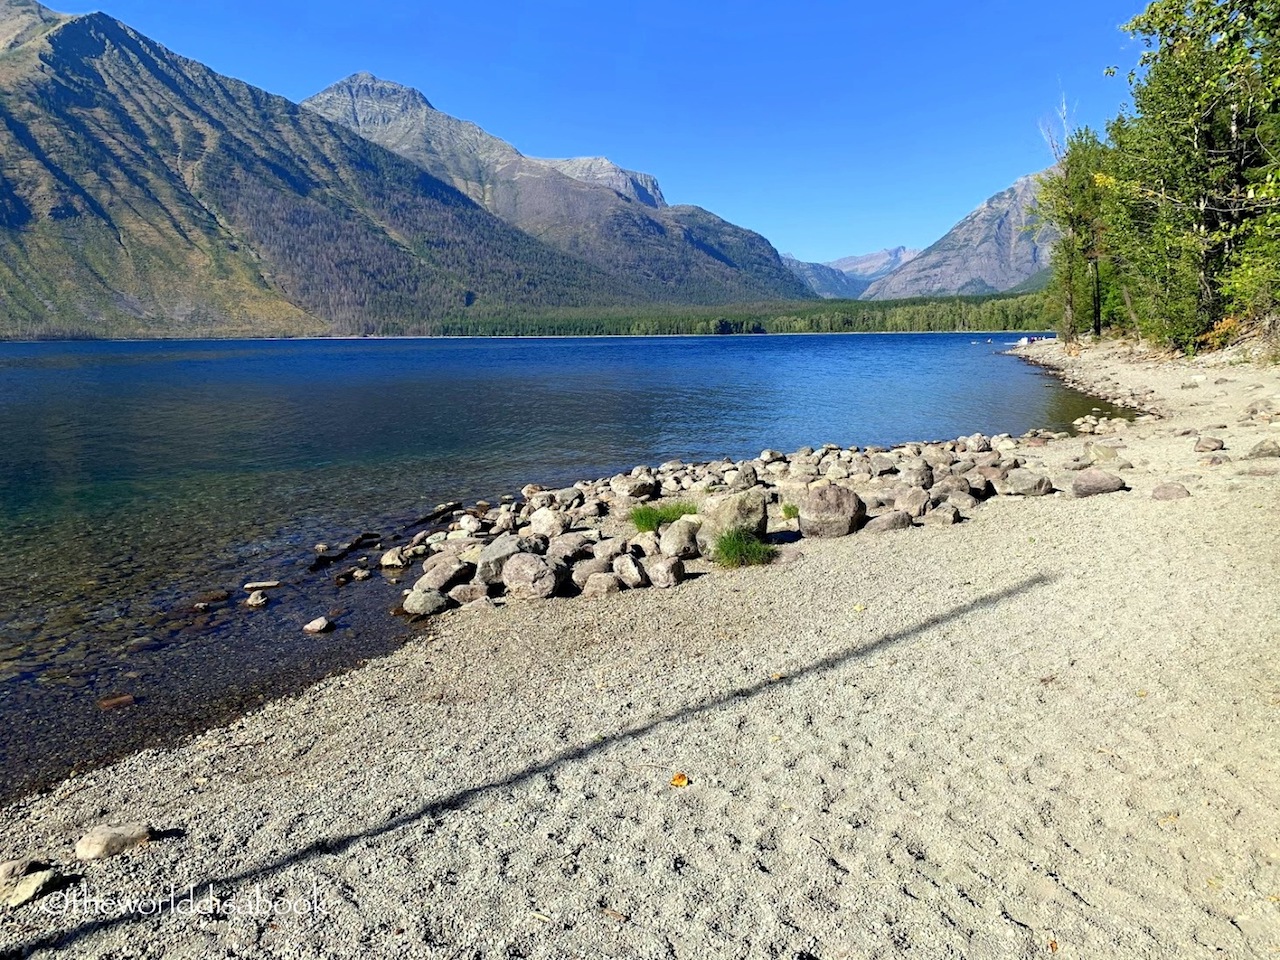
(651, 517)
(742, 548)
(790, 511)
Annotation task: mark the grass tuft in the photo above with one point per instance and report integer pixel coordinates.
(650, 518)
(742, 548)
(790, 511)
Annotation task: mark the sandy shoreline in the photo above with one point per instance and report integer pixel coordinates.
(1052, 728)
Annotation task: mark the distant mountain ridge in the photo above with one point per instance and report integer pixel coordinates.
(996, 248)
(615, 219)
(849, 277)
(873, 266)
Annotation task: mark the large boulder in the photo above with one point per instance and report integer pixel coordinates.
(830, 511)
(1020, 482)
(680, 539)
(643, 487)
(423, 602)
(1092, 482)
(528, 576)
(733, 511)
(664, 572)
(628, 570)
(548, 522)
(584, 570)
(444, 574)
(494, 556)
(1263, 449)
(600, 585)
(913, 502)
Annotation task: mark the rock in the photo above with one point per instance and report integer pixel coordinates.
(546, 522)
(360, 573)
(1170, 491)
(600, 585)
(494, 556)
(480, 603)
(257, 599)
(1209, 445)
(895, 520)
(664, 572)
(943, 515)
(963, 501)
(445, 574)
(627, 569)
(21, 881)
(567, 547)
(913, 503)
(830, 511)
(746, 510)
(318, 625)
(645, 544)
(108, 840)
(643, 487)
(583, 570)
(1023, 483)
(680, 539)
(465, 593)
(1263, 449)
(917, 473)
(423, 602)
(771, 456)
(881, 465)
(746, 478)
(262, 585)
(608, 549)
(117, 702)
(394, 558)
(570, 497)
(1092, 482)
(530, 577)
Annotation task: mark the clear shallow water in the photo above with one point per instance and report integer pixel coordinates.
(135, 476)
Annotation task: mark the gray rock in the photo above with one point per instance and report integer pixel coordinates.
(643, 487)
(583, 570)
(394, 559)
(914, 502)
(963, 501)
(1170, 491)
(917, 473)
(664, 572)
(600, 585)
(533, 543)
(318, 625)
(645, 544)
(627, 569)
(257, 599)
(1023, 483)
(944, 515)
(746, 510)
(1263, 449)
(746, 478)
(1092, 482)
(569, 497)
(548, 522)
(494, 556)
(881, 465)
(608, 549)
(830, 511)
(22, 881)
(423, 602)
(680, 539)
(1209, 445)
(895, 520)
(443, 575)
(1100, 452)
(530, 577)
(568, 547)
(108, 840)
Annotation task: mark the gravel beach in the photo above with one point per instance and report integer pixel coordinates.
(1049, 730)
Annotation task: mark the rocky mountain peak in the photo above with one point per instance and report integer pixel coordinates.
(641, 187)
(23, 20)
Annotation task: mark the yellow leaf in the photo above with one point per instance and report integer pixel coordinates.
(680, 780)
(1142, 693)
(859, 608)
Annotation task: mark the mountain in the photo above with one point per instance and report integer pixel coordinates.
(994, 249)
(825, 280)
(872, 266)
(615, 219)
(143, 194)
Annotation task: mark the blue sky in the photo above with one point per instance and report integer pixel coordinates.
(830, 127)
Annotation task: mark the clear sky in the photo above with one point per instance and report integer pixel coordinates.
(830, 127)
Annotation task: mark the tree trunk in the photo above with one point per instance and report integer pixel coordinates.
(1096, 286)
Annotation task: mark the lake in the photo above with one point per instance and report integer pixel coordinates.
(136, 476)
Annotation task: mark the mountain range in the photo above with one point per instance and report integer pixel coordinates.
(144, 194)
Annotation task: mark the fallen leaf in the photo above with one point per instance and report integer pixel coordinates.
(1053, 946)
(614, 915)
(680, 780)
(1142, 693)
(539, 916)
(859, 608)
(1049, 679)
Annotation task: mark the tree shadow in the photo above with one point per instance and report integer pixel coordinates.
(465, 796)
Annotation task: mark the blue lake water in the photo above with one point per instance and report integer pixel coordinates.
(135, 476)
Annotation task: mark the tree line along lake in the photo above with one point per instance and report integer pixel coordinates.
(138, 475)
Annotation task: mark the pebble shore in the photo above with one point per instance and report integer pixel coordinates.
(996, 696)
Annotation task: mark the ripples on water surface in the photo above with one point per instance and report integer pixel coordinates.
(135, 476)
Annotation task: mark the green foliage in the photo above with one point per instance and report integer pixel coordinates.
(1189, 196)
(652, 516)
(742, 548)
(790, 511)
